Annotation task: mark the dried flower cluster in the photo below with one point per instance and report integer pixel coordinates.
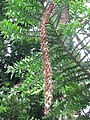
(46, 59)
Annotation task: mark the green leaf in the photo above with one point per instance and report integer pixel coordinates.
(3, 109)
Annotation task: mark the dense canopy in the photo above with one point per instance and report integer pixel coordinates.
(22, 85)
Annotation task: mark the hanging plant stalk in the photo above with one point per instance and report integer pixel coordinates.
(46, 59)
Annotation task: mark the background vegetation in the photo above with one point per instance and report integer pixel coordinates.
(21, 77)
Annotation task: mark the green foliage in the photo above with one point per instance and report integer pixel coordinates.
(28, 69)
(8, 28)
(21, 73)
(2, 109)
(25, 98)
(31, 9)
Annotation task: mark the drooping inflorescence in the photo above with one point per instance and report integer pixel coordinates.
(46, 59)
